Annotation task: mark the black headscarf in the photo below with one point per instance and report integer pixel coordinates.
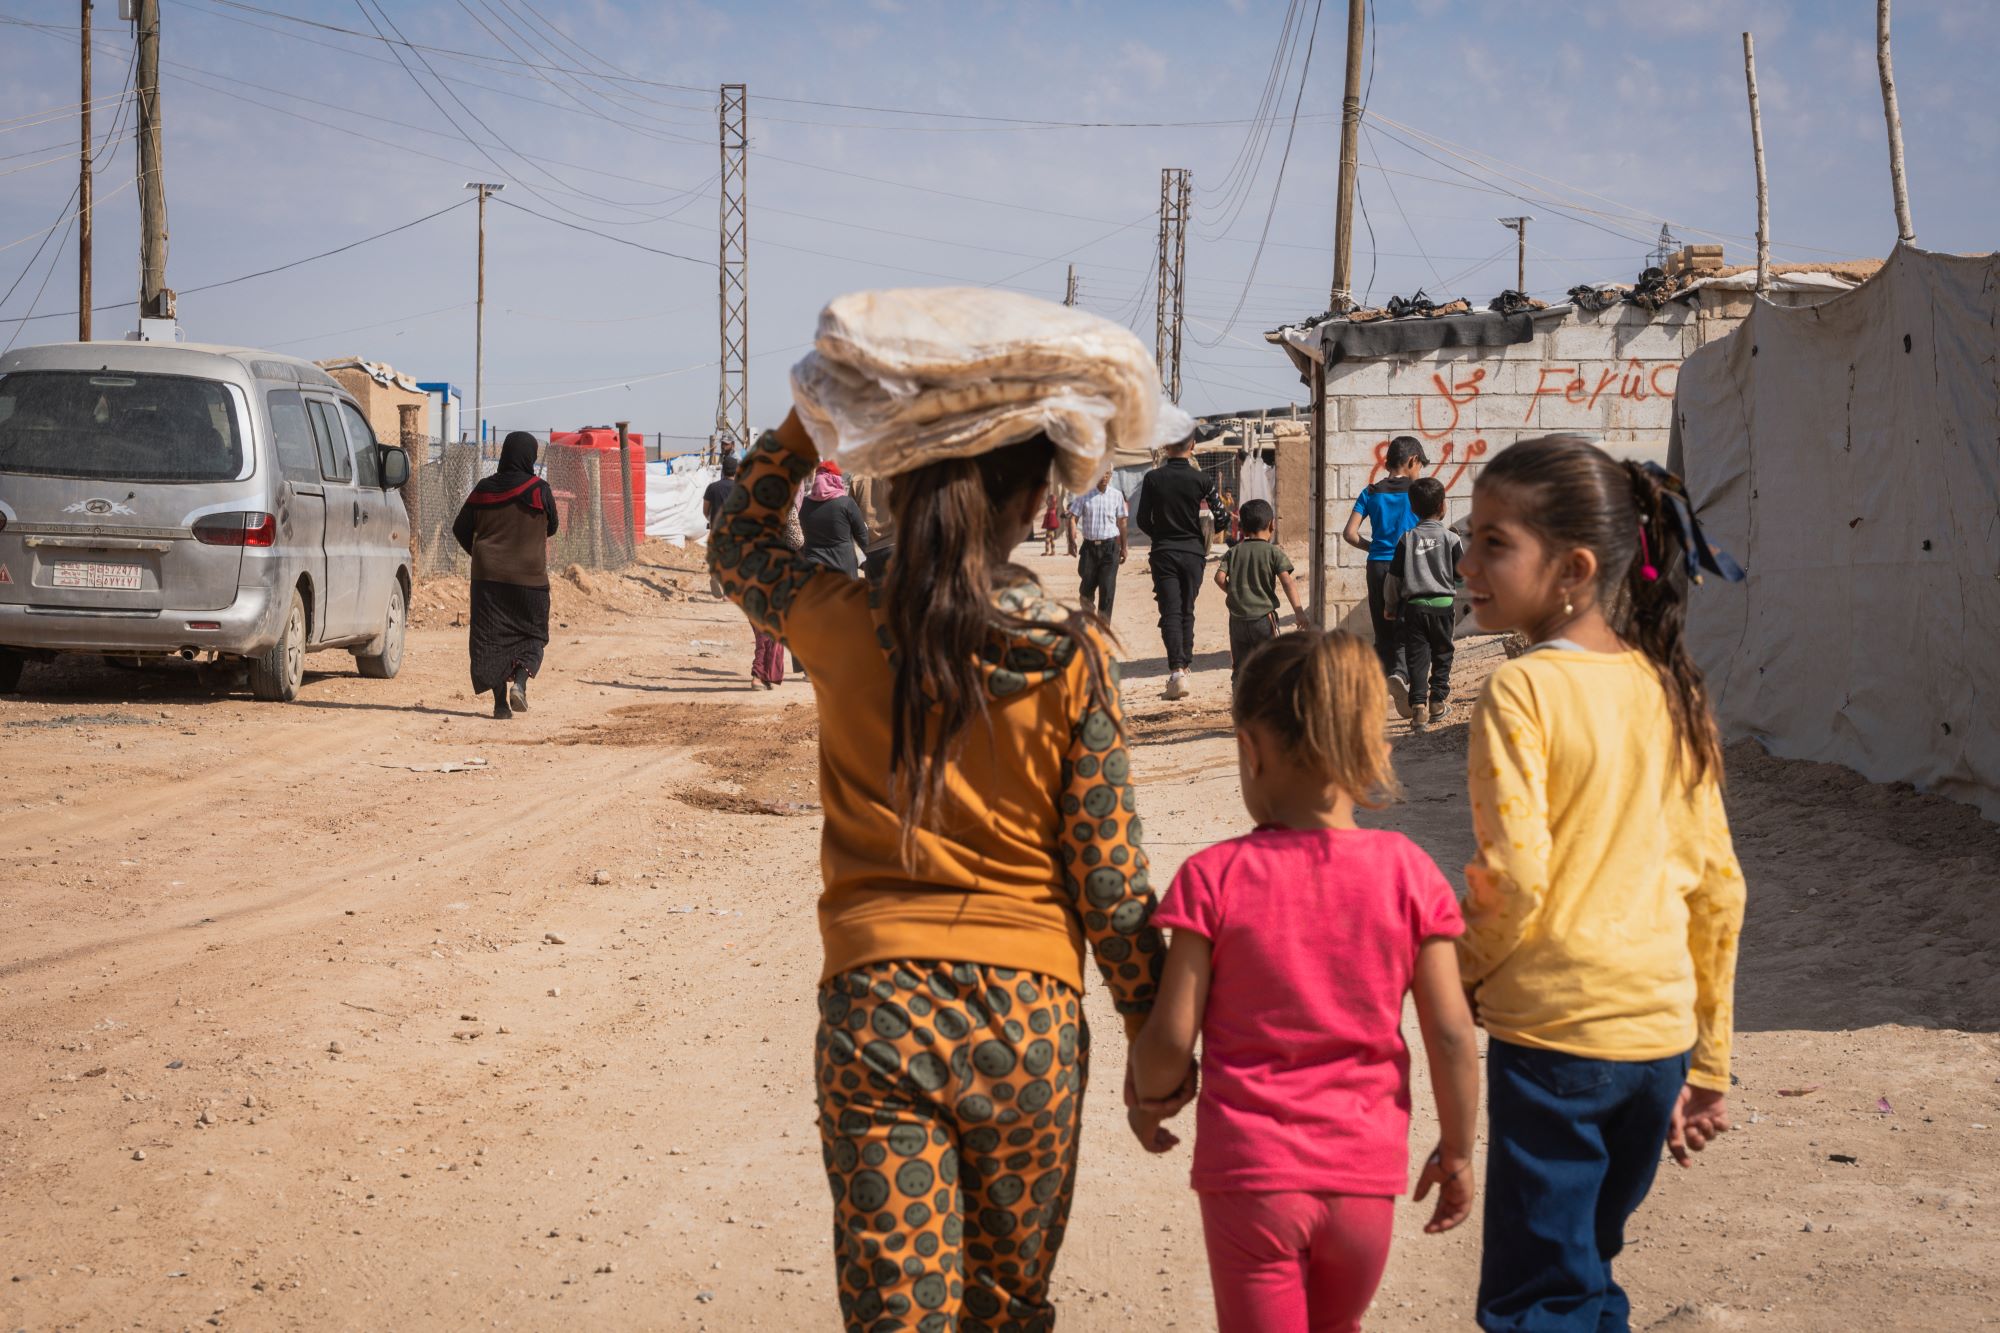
(516, 482)
(517, 453)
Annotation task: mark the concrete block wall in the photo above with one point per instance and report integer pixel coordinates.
(1609, 376)
(379, 403)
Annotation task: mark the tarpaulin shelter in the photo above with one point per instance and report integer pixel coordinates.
(1849, 455)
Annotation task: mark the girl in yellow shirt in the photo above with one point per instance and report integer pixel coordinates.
(1604, 905)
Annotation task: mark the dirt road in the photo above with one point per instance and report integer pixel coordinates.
(300, 1031)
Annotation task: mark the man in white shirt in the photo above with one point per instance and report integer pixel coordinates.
(1101, 513)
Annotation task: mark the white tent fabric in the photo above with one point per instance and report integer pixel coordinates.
(673, 497)
(1849, 455)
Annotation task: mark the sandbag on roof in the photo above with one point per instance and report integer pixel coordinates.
(898, 379)
(1849, 454)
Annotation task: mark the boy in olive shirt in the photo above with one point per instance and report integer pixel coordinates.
(1250, 575)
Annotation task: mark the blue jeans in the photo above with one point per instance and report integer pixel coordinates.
(1574, 1145)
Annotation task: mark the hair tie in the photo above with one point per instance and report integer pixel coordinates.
(1646, 570)
(1698, 553)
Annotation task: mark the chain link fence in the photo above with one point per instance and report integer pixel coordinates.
(601, 518)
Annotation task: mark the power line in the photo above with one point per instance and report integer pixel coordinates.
(1539, 197)
(1020, 122)
(264, 272)
(1360, 196)
(1368, 137)
(378, 324)
(362, 5)
(486, 66)
(1625, 213)
(1277, 186)
(1273, 81)
(401, 40)
(1239, 194)
(605, 236)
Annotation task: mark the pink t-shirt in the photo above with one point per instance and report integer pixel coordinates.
(1314, 938)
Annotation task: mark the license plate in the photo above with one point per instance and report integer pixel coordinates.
(97, 574)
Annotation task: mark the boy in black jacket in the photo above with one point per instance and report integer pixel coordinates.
(1171, 500)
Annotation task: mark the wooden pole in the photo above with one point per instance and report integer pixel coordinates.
(1519, 226)
(1350, 134)
(155, 301)
(1316, 495)
(628, 539)
(479, 336)
(414, 448)
(1757, 151)
(83, 198)
(1906, 231)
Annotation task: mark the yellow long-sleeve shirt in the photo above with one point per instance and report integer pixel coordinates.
(1038, 846)
(1605, 903)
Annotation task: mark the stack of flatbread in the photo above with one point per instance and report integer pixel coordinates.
(898, 379)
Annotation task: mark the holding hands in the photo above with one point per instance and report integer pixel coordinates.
(1452, 1175)
(1145, 1116)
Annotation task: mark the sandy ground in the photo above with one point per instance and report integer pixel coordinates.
(295, 1033)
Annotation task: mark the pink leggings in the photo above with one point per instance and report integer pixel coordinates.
(1282, 1262)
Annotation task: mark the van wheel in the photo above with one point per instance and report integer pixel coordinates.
(275, 674)
(10, 671)
(385, 664)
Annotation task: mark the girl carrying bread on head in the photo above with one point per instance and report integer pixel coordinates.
(980, 829)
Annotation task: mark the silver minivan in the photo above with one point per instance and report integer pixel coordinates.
(216, 503)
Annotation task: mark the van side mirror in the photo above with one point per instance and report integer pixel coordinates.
(395, 468)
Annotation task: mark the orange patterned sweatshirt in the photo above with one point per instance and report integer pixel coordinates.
(1036, 847)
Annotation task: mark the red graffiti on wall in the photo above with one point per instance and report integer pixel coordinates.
(1474, 450)
(1454, 396)
(1440, 410)
(1636, 383)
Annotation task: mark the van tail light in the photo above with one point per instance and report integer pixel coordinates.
(237, 529)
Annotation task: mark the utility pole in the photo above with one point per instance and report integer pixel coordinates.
(1519, 226)
(83, 198)
(1757, 149)
(1168, 312)
(1906, 230)
(1350, 134)
(732, 397)
(156, 299)
(479, 324)
(1069, 288)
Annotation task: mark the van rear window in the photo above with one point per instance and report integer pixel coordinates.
(118, 426)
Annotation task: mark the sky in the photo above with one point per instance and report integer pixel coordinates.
(900, 143)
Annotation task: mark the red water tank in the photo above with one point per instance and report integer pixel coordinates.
(606, 439)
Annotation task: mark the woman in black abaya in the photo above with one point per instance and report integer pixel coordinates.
(505, 524)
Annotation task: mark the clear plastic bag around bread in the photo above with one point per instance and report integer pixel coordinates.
(901, 378)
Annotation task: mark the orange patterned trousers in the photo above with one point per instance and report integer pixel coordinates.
(950, 1099)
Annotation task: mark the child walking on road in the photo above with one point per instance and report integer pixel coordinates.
(1293, 948)
(1423, 578)
(1385, 506)
(1250, 574)
(1605, 902)
(980, 827)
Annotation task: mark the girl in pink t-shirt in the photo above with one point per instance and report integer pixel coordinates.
(1293, 947)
